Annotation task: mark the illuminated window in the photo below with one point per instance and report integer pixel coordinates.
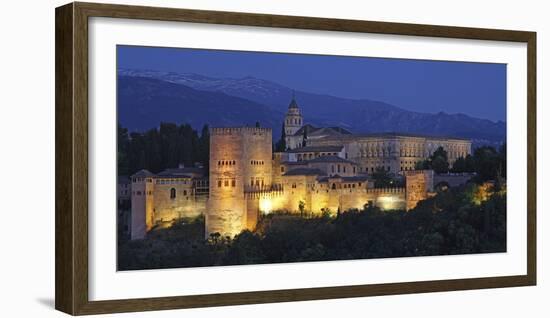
(172, 193)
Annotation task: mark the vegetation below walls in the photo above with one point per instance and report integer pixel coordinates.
(462, 220)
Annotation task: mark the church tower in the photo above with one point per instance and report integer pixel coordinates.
(293, 121)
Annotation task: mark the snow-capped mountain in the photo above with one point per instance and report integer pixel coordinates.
(360, 116)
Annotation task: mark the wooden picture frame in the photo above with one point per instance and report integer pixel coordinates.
(72, 281)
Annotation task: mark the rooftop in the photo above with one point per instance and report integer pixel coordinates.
(316, 149)
(314, 131)
(345, 179)
(304, 172)
(330, 159)
(399, 134)
(123, 179)
(143, 173)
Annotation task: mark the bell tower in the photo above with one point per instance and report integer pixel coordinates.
(293, 120)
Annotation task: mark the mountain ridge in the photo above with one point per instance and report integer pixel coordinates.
(358, 115)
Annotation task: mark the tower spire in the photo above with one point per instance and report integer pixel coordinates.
(293, 103)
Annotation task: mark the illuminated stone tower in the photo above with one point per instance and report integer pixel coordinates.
(240, 162)
(142, 204)
(293, 122)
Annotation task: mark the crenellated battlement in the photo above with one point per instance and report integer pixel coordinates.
(385, 190)
(239, 130)
(263, 194)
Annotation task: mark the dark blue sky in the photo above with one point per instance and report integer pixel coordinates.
(475, 89)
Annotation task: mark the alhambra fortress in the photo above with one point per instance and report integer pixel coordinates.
(323, 170)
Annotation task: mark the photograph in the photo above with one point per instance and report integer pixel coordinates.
(243, 157)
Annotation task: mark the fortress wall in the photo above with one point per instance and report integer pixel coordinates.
(142, 218)
(418, 184)
(294, 192)
(226, 210)
(320, 199)
(184, 205)
(245, 154)
(385, 199)
(276, 173)
(257, 156)
(252, 212)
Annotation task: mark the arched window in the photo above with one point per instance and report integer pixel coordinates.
(172, 193)
(334, 186)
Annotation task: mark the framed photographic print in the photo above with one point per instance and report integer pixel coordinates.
(218, 158)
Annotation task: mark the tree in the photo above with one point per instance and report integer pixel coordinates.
(382, 178)
(464, 164)
(301, 207)
(440, 165)
(280, 146)
(123, 143)
(489, 163)
(438, 161)
(161, 148)
(204, 148)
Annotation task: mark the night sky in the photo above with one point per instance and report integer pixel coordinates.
(475, 89)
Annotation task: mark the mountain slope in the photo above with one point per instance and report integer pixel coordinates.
(325, 110)
(145, 102)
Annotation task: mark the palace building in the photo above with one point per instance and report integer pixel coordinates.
(323, 170)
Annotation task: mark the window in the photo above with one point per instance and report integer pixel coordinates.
(334, 186)
(282, 169)
(172, 193)
(184, 192)
(233, 183)
(226, 183)
(332, 168)
(219, 183)
(338, 168)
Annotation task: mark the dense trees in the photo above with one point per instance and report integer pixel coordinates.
(280, 145)
(452, 222)
(382, 178)
(161, 148)
(486, 162)
(438, 161)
